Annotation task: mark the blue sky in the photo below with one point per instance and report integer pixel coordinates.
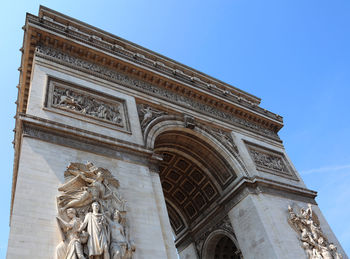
(294, 54)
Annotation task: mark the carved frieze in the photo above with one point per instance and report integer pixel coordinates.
(86, 104)
(311, 236)
(180, 99)
(92, 216)
(270, 161)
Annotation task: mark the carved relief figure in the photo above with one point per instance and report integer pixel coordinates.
(72, 100)
(313, 240)
(87, 194)
(147, 114)
(71, 246)
(119, 247)
(98, 230)
(88, 198)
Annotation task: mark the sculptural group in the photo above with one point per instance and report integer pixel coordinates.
(92, 215)
(314, 242)
(74, 101)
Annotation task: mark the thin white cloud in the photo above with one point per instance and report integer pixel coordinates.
(325, 169)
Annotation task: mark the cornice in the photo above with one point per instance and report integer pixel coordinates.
(103, 48)
(71, 131)
(108, 40)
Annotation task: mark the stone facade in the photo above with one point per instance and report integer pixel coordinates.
(196, 160)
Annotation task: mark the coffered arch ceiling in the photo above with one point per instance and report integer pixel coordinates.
(193, 175)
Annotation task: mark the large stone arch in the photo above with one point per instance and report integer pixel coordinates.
(203, 152)
(87, 95)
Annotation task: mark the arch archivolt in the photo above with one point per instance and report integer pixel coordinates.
(218, 139)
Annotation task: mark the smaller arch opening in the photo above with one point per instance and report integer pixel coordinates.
(221, 246)
(226, 249)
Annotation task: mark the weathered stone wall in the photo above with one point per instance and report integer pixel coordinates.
(34, 232)
(261, 226)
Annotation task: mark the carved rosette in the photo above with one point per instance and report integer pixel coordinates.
(92, 216)
(311, 236)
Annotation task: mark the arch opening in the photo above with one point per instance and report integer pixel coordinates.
(193, 175)
(222, 247)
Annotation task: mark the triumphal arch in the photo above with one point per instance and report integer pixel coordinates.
(123, 153)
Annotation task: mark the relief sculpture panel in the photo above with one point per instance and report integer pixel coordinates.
(92, 216)
(87, 105)
(270, 161)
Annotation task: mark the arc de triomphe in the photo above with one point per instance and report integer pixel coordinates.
(119, 151)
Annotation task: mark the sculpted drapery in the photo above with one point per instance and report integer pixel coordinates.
(92, 215)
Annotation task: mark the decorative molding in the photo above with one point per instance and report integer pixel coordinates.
(139, 55)
(270, 161)
(183, 100)
(86, 104)
(311, 236)
(83, 140)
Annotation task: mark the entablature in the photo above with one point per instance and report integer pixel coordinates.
(78, 40)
